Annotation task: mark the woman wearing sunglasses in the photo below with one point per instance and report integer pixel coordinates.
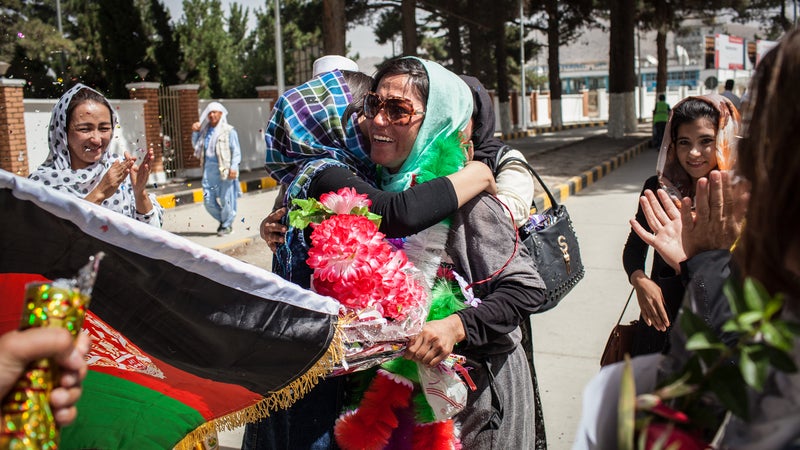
(417, 116)
(315, 146)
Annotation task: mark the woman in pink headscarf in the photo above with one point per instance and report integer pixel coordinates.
(699, 137)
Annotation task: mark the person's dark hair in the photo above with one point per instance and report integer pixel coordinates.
(690, 110)
(83, 96)
(661, 97)
(728, 85)
(359, 84)
(770, 160)
(418, 76)
(483, 123)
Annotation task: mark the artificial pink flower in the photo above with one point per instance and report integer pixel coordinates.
(355, 265)
(344, 200)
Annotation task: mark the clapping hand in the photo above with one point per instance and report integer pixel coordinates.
(111, 180)
(680, 233)
(140, 172)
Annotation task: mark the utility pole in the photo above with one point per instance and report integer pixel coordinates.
(523, 96)
(279, 48)
(62, 57)
(639, 68)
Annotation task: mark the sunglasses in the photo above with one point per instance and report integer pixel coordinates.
(398, 110)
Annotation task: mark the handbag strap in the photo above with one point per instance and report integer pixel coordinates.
(625, 307)
(500, 163)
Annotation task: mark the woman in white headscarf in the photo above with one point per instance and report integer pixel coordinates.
(81, 127)
(216, 145)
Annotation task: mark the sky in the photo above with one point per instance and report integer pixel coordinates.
(360, 39)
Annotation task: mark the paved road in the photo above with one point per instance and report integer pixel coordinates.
(569, 339)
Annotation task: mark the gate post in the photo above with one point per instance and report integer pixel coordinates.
(270, 92)
(13, 145)
(189, 112)
(148, 91)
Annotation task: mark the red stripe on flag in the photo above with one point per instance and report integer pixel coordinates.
(210, 398)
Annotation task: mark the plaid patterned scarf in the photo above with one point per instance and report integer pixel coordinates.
(306, 126)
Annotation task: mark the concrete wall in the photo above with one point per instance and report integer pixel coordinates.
(573, 112)
(250, 117)
(128, 137)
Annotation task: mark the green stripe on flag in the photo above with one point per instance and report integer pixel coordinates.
(116, 414)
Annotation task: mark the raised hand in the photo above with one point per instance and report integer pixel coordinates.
(721, 204)
(666, 222)
(140, 172)
(110, 182)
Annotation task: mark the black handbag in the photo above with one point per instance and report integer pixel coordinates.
(551, 239)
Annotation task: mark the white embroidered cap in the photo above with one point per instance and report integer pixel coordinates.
(330, 62)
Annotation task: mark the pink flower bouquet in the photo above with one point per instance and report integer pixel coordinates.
(382, 300)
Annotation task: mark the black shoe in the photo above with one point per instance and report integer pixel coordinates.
(222, 231)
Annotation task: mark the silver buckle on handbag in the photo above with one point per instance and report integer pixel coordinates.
(562, 244)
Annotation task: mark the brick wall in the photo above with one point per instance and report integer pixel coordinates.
(188, 105)
(270, 92)
(152, 122)
(13, 146)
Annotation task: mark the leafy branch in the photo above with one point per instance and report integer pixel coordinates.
(688, 409)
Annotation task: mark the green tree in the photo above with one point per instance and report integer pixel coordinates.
(204, 41)
(124, 45)
(236, 79)
(771, 14)
(562, 22)
(31, 44)
(164, 54)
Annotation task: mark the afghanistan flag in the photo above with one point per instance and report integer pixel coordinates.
(186, 339)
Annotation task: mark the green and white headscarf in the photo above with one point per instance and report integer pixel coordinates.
(436, 151)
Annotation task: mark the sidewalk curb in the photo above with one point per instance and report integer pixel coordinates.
(540, 130)
(577, 183)
(231, 248)
(173, 200)
(196, 195)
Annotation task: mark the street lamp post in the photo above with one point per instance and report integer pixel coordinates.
(61, 34)
(639, 67)
(279, 48)
(523, 97)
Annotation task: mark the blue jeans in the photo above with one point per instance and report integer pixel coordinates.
(219, 196)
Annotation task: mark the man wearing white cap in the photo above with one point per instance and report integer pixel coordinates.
(331, 62)
(216, 145)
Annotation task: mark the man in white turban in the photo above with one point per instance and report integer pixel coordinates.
(216, 145)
